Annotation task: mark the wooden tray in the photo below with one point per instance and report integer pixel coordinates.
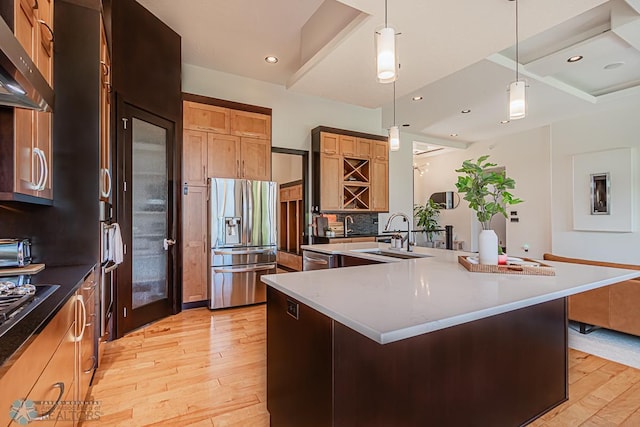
(16, 271)
(543, 270)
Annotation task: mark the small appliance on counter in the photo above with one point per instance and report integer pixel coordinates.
(15, 252)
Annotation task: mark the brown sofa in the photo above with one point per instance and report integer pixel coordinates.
(615, 307)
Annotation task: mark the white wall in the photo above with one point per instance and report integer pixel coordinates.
(526, 158)
(400, 183)
(596, 132)
(286, 167)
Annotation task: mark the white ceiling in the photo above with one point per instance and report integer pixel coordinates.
(456, 54)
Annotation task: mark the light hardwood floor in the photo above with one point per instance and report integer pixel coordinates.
(208, 369)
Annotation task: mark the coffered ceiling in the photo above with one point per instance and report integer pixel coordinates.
(457, 55)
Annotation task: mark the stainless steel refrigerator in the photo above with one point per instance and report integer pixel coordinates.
(242, 237)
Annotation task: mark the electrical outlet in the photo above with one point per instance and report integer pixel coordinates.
(292, 309)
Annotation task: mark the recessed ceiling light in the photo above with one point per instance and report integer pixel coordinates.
(417, 98)
(613, 65)
(453, 134)
(465, 111)
(504, 122)
(575, 58)
(271, 59)
(406, 125)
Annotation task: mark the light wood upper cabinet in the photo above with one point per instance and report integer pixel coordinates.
(330, 182)
(26, 26)
(380, 186)
(194, 248)
(33, 130)
(381, 150)
(223, 156)
(255, 125)
(353, 178)
(365, 147)
(256, 159)
(348, 145)
(206, 117)
(329, 143)
(194, 157)
(44, 55)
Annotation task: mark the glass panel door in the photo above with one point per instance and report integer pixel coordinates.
(145, 194)
(149, 217)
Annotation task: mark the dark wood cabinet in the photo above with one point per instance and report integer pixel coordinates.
(502, 370)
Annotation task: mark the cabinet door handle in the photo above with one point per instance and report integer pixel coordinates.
(83, 317)
(42, 174)
(204, 173)
(106, 179)
(48, 28)
(45, 415)
(244, 170)
(105, 68)
(45, 176)
(35, 4)
(238, 168)
(94, 359)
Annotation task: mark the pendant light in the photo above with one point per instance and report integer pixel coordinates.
(394, 132)
(517, 95)
(386, 61)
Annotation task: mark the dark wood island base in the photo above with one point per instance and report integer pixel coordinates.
(504, 370)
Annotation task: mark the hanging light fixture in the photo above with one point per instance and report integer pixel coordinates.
(394, 132)
(517, 95)
(386, 61)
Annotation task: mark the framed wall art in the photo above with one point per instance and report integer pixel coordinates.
(603, 191)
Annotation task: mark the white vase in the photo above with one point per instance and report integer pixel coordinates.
(488, 247)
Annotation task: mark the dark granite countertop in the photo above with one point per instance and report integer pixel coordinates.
(16, 339)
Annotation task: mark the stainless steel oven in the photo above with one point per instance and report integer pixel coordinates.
(106, 271)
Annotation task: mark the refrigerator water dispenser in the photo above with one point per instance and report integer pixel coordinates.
(232, 226)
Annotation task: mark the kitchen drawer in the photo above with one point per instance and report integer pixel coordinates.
(87, 334)
(20, 377)
(55, 385)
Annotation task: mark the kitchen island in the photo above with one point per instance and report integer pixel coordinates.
(419, 342)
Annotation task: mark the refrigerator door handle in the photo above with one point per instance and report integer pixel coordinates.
(250, 217)
(244, 269)
(242, 252)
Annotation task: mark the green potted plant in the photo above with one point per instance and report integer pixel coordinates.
(486, 190)
(427, 216)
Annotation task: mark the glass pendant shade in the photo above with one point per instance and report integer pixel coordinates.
(394, 138)
(517, 102)
(386, 55)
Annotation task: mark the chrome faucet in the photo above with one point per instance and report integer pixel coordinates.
(409, 238)
(346, 227)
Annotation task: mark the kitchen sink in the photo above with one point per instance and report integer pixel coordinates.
(392, 254)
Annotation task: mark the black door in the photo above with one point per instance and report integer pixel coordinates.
(146, 280)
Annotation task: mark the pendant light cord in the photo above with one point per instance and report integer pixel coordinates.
(394, 103)
(385, 14)
(517, 49)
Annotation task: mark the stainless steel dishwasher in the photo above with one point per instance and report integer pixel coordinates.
(318, 261)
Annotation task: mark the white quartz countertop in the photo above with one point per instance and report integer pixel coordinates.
(397, 300)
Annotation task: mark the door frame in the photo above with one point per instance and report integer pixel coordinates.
(306, 191)
(123, 158)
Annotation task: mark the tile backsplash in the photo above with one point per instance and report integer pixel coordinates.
(363, 223)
